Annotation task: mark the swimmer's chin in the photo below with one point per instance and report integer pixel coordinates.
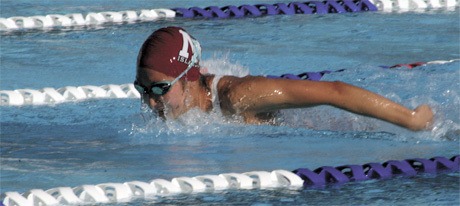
(161, 114)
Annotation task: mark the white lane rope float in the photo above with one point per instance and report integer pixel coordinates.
(52, 21)
(52, 96)
(129, 191)
(48, 95)
(79, 20)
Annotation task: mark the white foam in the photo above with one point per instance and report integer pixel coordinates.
(222, 65)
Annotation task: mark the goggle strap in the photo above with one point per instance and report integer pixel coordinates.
(197, 52)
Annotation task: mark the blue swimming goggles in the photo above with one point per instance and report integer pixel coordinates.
(163, 87)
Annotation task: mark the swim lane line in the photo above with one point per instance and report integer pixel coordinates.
(297, 179)
(68, 21)
(52, 96)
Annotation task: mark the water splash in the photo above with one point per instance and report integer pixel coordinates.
(222, 65)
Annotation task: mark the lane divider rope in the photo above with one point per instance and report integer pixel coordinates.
(302, 177)
(51, 96)
(76, 19)
(51, 21)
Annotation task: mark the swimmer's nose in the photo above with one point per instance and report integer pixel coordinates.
(156, 104)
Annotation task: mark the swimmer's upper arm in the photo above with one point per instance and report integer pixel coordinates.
(259, 94)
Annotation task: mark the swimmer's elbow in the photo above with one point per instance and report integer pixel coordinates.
(339, 86)
(343, 95)
(338, 89)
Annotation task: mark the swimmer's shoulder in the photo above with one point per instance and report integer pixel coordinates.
(234, 83)
(235, 87)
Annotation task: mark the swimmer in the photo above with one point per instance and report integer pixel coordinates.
(169, 80)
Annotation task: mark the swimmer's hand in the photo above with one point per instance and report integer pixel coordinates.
(422, 118)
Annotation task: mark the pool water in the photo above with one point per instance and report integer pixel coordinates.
(109, 140)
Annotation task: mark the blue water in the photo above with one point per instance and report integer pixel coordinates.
(97, 141)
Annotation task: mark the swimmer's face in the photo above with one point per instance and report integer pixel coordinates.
(169, 105)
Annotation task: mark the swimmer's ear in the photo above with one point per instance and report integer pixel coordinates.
(204, 70)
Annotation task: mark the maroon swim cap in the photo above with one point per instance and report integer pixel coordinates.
(169, 51)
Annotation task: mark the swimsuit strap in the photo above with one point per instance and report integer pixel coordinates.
(215, 94)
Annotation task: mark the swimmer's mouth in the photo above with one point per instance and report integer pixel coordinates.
(159, 109)
(161, 113)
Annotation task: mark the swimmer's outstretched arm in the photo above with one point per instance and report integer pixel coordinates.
(262, 95)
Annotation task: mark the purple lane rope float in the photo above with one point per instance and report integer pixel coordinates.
(347, 173)
(310, 7)
(299, 178)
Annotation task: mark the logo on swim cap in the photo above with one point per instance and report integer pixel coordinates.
(169, 51)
